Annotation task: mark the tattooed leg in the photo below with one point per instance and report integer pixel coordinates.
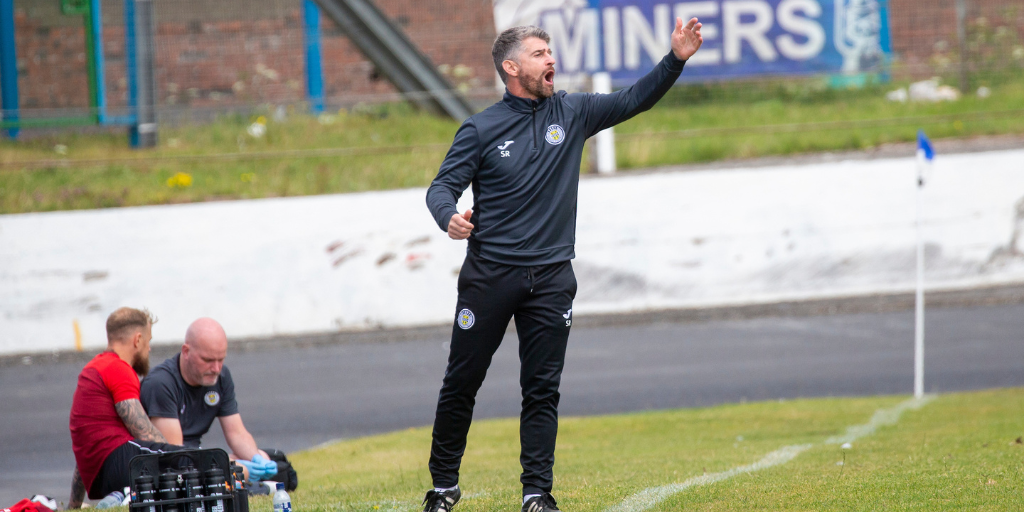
(77, 491)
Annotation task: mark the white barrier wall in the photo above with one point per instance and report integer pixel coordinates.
(357, 261)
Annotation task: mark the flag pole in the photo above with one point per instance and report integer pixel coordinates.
(925, 154)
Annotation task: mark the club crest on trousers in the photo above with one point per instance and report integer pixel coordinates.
(466, 319)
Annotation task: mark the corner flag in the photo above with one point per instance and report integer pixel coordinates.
(925, 145)
(925, 155)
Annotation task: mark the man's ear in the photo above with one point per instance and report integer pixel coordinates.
(137, 340)
(511, 68)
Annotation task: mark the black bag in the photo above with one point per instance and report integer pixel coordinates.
(285, 472)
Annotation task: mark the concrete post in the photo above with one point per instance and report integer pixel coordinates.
(605, 139)
(145, 55)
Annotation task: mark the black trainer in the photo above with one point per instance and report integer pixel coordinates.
(441, 501)
(543, 503)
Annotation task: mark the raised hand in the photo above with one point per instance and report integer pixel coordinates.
(686, 40)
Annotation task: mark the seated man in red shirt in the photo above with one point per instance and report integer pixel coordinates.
(108, 424)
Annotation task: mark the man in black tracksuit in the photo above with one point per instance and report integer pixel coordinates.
(522, 157)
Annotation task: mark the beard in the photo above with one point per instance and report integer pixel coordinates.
(537, 87)
(202, 379)
(140, 364)
(209, 379)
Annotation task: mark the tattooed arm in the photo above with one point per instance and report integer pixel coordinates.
(77, 491)
(135, 419)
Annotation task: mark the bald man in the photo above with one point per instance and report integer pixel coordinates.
(183, 394)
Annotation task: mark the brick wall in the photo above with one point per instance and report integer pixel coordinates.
(234, 56)
(245, 52)
(924, 33)
(51, 64)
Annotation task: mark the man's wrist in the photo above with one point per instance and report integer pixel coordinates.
(448, 216)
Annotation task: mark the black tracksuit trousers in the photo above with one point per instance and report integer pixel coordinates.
(490, 294)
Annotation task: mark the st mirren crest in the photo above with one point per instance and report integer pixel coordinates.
(211, 398)
(554, 135)
(466, 319)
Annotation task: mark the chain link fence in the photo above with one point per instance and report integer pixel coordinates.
(966, 42)
(233, 102)
(233, 55)
(230, 55)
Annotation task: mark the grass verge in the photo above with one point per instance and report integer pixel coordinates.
(394, 147)
(678, 133)
(961, 451)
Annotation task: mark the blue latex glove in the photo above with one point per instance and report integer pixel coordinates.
(254, 471)
(269, 466)
(259, 468)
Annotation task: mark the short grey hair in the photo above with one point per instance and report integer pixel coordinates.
(509, 45)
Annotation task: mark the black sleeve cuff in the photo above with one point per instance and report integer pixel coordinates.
(674, 63)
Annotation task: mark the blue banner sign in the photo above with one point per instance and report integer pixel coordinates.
(742, 38)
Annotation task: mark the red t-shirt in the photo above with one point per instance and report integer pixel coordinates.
(96, 428)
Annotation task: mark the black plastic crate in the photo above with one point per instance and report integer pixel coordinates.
(166, 465)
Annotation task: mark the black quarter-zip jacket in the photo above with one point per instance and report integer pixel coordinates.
(523, 158)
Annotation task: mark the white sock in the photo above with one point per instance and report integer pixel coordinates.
(439, 489)
(528, 496)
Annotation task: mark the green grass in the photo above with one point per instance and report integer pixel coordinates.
(299, 156)
(959, 452)
(786, 123)
(394, 147)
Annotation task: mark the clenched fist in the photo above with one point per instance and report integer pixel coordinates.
(459, 227)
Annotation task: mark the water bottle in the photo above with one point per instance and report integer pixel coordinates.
(169, 488)
(115, 498)
(193, 489)
(282, 502)
(216, 485)
(145, 492)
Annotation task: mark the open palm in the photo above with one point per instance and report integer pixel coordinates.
(686, 40)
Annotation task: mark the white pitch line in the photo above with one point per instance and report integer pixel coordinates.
(881, 418)
(651, 496)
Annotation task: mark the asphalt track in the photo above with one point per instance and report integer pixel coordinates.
(297, 397)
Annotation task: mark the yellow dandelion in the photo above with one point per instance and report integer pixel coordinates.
(180, 180)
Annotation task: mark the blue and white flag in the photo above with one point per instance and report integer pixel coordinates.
(924, 146)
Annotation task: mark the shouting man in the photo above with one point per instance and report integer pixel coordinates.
(108, 423)
(522, 157)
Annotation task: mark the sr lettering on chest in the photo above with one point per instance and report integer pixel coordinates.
(503, 148)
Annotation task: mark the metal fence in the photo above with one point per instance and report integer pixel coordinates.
(230, 55)
(213, 57)
(969, 40)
